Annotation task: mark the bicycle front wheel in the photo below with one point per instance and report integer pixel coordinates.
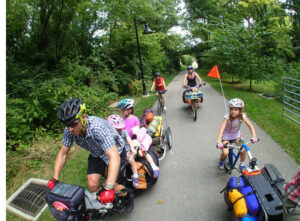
(159, 108)
(195, 110)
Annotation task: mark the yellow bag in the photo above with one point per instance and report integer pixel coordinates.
(154, 127)
(239, 203)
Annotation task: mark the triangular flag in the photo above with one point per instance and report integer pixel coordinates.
(214, 73)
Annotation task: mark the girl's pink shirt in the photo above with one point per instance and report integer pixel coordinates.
(130, 122)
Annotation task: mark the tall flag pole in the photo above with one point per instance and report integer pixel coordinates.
(214, 73)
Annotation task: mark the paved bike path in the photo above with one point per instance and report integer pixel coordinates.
(189, 185)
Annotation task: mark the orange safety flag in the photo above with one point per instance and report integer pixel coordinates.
(214, 72)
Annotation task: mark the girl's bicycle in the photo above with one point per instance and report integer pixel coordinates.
(232, 158)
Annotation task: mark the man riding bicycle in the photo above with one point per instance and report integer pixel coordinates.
(160, 86)
(106, 150)
(190, 80)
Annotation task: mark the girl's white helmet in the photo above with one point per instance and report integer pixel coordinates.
(236, 102)
(126, 104)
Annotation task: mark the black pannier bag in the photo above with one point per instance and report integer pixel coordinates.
(65, 201)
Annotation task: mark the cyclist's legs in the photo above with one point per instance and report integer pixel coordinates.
(93, 182)
(244, 153)
(225, 151)
(163, 96)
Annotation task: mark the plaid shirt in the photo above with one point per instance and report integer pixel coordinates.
(293, 189)
(100, 137)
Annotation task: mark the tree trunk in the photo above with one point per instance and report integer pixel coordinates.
(250, 78)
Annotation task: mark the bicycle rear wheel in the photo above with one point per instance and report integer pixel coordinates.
(169, 138)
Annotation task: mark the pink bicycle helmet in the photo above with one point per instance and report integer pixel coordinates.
(116, 121)
(236, 102)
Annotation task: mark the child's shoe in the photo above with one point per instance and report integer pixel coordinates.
(242, 168)
(135, 182)
(221, 165)
(156, 173)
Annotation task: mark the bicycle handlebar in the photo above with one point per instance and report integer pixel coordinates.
(153, 92)
(238, 146)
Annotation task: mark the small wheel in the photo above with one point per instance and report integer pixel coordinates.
(169, 138)
(195, 110)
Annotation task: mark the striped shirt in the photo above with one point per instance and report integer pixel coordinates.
(100, 137)
(293, 189)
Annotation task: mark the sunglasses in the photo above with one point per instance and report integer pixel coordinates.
(73, 123)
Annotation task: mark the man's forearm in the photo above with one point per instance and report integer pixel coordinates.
(59, 164)
(113, 169)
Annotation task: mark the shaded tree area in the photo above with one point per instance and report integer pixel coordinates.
(250, 39)
(75, 48)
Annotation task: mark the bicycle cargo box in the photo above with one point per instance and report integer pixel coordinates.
(70, 196)
(270, 201)
(190, 95)
(274, 177)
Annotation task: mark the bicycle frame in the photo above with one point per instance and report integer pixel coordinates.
(233, 158)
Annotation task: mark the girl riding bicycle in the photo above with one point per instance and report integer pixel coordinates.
(160, 85)
(117, 122)
(230, 130)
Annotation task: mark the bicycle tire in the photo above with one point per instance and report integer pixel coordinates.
(195, 111)
(169, 138)
(158, 108)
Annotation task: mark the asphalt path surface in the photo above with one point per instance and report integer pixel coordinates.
(189, 185)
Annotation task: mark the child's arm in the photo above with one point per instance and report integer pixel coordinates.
(221, 131)
(250, 127)
(130, 143)
(152, 86)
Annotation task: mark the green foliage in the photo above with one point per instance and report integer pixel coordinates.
(187, 60)
(75, 48)
(248, 39)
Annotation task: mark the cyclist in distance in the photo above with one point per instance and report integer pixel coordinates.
(160, 85)
(106, 147)
(190, 79)
(230, 131)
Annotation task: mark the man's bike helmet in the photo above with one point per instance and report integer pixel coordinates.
(126, 104)
(116, 121)
(190, 67)
(71, 110)
(236, 102)
(158, 74)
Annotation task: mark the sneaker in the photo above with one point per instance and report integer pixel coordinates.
(221, 165)
(135, 182)
(242, 168)
(129, 202)
(156, 173)
(165, 108)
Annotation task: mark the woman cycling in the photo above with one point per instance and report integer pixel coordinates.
(190, 80)
(160, 86)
